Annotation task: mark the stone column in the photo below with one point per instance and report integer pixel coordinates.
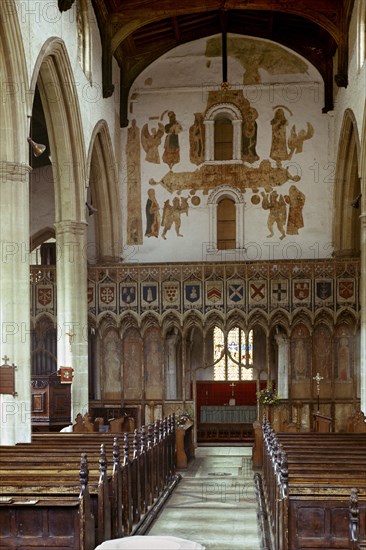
(72, 318)
(362, 294)
(237, 139)
(15, 420)
(209, 139)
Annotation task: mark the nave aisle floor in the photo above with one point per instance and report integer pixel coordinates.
(215, 502)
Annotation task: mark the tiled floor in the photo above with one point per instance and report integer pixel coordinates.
(215, 502)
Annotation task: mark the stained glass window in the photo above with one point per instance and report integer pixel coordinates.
(233, 354)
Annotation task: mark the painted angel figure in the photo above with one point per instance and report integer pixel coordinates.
(151, 141)
(296, 140)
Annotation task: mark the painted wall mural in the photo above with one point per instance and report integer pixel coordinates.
(269, 139)
(255, 56)
(134, 221)
(284, 210)
(150, 142)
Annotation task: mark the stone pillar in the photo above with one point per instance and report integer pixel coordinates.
(209, 139)
(363, 313)
(237, 139)
(72, 318)
(15, 420)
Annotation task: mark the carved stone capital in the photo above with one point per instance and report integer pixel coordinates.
(13, 171)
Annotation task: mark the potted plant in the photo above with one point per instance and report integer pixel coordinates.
(267, 398)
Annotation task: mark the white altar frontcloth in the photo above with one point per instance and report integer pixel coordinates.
(150, 543)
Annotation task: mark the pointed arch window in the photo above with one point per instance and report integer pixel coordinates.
(233, 354)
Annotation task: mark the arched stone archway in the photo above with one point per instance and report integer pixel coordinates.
(104, 191)
(54, 78)
(346, 224)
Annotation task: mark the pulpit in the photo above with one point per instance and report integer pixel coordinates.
(322, 423)
(51, 402)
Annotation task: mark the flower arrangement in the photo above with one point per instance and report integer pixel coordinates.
(181, 420)
(268, 396)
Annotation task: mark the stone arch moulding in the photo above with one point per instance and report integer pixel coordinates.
(53, 74)
(41, 236)
(226, 192)
(233, 113)
(347, 188)
(101, 167)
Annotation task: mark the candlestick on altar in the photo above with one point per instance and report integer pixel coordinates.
(232, 385)
(318, 379)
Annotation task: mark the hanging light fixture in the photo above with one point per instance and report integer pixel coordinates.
(91, 209)
(37, 148)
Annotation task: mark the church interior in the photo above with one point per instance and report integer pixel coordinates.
(183, 267)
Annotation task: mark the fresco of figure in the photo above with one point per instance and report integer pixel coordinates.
(296, 139)
(171, 153)
(152, 215)
(279, 150)
(150, 142)
(277, 212)
(197, 140)
(296, 200)
(249, 136)
(172, 213)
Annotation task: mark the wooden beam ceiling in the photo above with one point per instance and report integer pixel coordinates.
(136, 32)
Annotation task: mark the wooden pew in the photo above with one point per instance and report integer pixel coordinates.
(119, 498)
(307, 484)
(49, 521)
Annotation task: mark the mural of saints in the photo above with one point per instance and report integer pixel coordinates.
(197, 140)
(134, 221)
(152, 215)
(249, 136)
(171, 214)
(277, 212)
(171, 153)
(279, 150)
(296, 140)
(296, 200)
(151, 141)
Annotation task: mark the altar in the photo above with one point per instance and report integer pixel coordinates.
(226, 422)
(228, 414)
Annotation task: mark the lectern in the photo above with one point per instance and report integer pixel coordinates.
(322, 423)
